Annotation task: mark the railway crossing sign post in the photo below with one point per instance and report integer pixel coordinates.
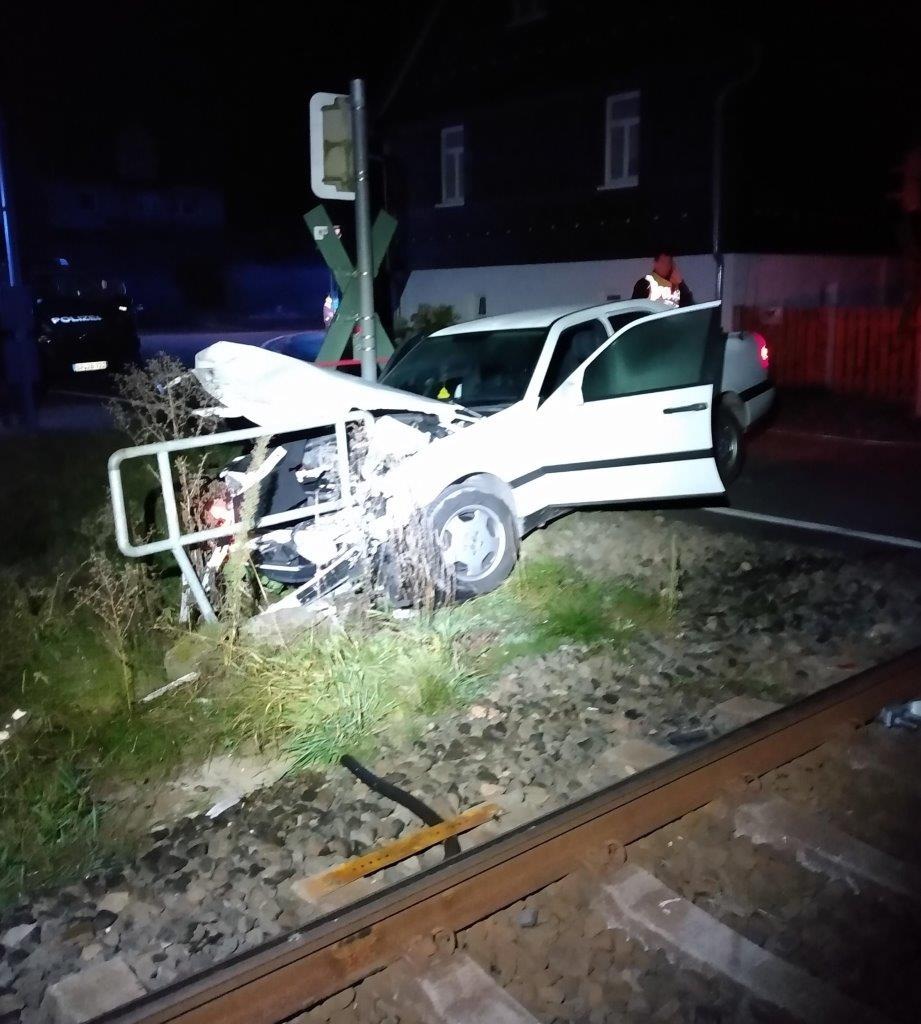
(344, 272)
(339, 170)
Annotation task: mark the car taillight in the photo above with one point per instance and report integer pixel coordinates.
(763, 353)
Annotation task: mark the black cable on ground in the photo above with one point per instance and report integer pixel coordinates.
(400, 796)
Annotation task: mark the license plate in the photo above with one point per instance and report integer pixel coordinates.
(99, 364)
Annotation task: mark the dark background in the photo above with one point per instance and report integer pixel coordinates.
(222, 89)
(216, 95)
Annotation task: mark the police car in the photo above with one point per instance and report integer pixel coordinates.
(84, 326)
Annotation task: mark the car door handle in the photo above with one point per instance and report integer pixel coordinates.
(696, 407)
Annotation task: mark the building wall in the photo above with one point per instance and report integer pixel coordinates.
(534, 179)
(99, 207)
(508, 289)
(809, 152)
(749, 280)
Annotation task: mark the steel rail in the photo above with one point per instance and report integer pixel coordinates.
(279, 980)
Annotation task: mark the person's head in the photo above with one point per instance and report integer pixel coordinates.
(663, 264)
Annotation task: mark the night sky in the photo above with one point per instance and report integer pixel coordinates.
(224, 88)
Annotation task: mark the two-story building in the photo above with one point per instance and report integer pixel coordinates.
(540, 152)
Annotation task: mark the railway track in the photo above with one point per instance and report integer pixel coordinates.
(770, 875)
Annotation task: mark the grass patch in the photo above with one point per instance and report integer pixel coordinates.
(328, 694)
(62, 826)
(77, 735)
(56, 763)
(335, 694)
(53, 489)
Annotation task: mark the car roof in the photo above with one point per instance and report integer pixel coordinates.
(547, 316)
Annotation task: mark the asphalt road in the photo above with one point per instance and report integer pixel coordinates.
(853, 486)
(183, 346)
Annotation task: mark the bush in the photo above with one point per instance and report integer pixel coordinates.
(158, 402)
(121, 596)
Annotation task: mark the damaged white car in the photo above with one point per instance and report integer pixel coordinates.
(485, 430)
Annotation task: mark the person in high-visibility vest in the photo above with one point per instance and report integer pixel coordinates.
(665, 284)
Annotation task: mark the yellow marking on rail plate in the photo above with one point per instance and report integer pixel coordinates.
(318, 885)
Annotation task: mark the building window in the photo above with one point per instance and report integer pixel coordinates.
(452, 166)
(622, 141)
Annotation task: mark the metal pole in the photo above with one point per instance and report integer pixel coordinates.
(366, 343)
(165, 473)
(20, 356)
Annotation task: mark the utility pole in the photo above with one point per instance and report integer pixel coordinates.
(366, 342)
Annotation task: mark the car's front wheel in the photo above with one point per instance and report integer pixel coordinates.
(729, 443)
(477, 536)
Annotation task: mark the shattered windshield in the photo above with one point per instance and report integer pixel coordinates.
(473, 368)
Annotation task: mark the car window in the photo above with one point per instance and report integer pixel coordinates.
(573, 346)
(402, 351)
(655, 355)
(472, 368)
(618, 320)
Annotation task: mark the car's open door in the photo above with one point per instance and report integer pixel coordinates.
(634, 421)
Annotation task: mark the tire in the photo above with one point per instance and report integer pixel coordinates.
(729, 444)
(476, 533)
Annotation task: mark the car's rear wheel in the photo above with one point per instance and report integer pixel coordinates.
(729, 444)
(477, 538)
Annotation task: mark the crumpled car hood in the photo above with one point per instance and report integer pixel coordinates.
(281, 393)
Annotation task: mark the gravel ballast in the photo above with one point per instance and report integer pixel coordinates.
(754, 620)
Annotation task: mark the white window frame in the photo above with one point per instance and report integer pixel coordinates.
(617, 177)
(454, 153)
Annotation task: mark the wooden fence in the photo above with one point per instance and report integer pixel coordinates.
(856, 351)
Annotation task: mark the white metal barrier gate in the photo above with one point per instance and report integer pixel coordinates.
(176, 541)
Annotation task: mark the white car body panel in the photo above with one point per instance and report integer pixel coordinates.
(758, 407)
(566, 453)
(561, 453)
(276, 391)
(743, 373)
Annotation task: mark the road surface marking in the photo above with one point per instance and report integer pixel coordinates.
(802, 524)
(809, 435)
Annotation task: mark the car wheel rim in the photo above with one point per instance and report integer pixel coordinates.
(727, 445)
(473, 541)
